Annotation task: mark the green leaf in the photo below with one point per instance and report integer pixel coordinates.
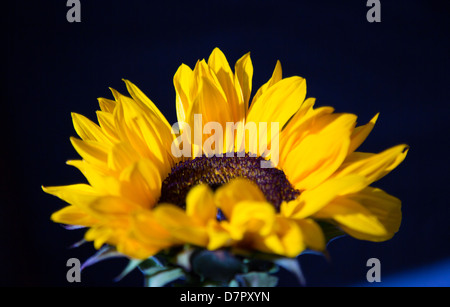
(256, 279)
(292, 265)
(149, 263)
(106, 252)
(260, 265)
(132, 264)
(183, 258)
(159, 276)
(233, 283)
(218, 265)
(330, 231)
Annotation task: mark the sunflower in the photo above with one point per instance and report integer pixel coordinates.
(152, 186)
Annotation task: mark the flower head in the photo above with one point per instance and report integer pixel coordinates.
(152, 186)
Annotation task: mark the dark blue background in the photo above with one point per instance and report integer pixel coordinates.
(398, 67)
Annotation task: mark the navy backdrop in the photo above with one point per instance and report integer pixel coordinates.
(398, 67)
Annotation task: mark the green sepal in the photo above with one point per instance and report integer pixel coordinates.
(132, 264)
(330, 230)
(161, 276)
(292, 265)
(259, 265)
(219, 265)
(150, 263)
(254, 279)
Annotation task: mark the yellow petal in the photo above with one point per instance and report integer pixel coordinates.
(100, 235)
(368, 215)
(72, 215)
(106, 122)
(182, 81)
(221, 68)
(106, 105)
(213, 107)
(112, 205)
(125, 115)
(268, 244)
(239, 189)
(180, 225)
(373, 166)
(276, 105)
(92, 151)
(136, 249)
(360, 133)
(291, 237)
(121, 156)
(312, 234)
(252, 216)
(200, 204)
(143, 130)
(80, 195)
(299, 126)
(319, 155)
(276, 76)
(311, 201)
(385, 208)
(203, 71)
(158, 142)
(140, 97)
(218, 236)
(147, 229)
(101, 179)
(279, 102)
(244, 74)
(141, 182)
(87, 130)
(306, 111)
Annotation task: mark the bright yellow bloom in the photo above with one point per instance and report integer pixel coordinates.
(142, 199)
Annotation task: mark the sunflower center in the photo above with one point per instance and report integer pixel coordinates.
(216, 171)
